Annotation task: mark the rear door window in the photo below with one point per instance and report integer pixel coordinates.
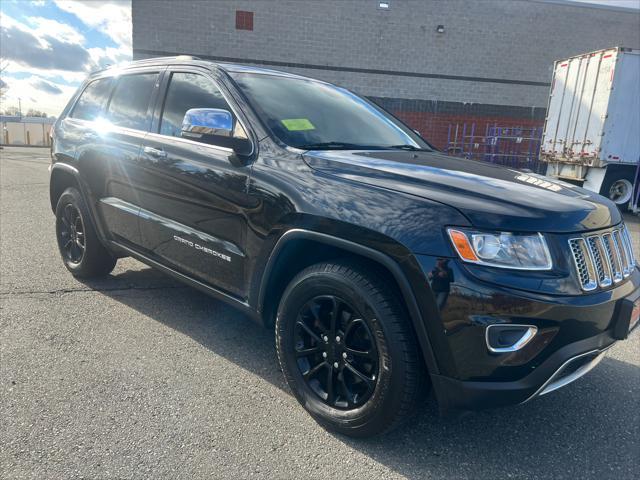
(130, 101)
(93, 100)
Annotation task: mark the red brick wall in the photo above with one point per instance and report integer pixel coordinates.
(435, 126)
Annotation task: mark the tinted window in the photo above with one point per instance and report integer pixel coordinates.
(310, 114)
(186, 91)
(130, 101)
(90, 104)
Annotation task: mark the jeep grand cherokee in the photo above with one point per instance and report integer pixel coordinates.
(384, 267)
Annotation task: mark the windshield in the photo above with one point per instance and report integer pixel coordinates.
(309, 114)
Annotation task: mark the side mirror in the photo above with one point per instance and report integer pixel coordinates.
(215, 126)
(207, 121)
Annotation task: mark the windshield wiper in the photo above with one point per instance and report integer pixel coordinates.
(356, 146)
(336, 146)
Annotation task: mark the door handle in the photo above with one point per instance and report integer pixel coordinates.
(155, 152)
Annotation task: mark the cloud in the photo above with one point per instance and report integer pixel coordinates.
(45, 27)
(14, 68)
(111, 18)
(45, 86)
(45, 52)
(36, 93)
(109, 55)
(44, 60)
(48, 45)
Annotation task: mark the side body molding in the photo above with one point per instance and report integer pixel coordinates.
(408, 295)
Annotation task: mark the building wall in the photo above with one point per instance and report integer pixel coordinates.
(493, 60)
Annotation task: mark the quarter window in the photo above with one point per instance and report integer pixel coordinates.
(187, 91)
(91, 102)
(130, 101)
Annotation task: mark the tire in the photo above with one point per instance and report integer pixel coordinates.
(82, 252)
(618, 187)
(371, 319)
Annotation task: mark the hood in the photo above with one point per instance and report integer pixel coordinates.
(490, 196)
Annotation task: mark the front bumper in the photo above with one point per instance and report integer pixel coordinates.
(555, 373)
(574, 331)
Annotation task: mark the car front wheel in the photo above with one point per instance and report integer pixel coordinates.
(347, 350)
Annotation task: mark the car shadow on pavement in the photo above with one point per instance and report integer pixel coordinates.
(574, 432)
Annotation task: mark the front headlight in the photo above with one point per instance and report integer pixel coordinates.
(502, 249)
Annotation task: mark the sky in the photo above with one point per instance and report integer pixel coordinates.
(47, 47)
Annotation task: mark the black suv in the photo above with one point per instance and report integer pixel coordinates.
(385, 267)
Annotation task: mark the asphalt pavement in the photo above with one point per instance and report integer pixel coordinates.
(138, 376)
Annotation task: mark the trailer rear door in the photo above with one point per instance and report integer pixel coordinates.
(578, 105)
(621, 141)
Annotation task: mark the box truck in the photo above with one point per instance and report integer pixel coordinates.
(592, 130)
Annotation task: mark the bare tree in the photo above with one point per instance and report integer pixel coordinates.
(36, 113)
(3, 85)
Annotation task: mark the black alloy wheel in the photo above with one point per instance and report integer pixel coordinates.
(81, 250)
(336, 352)
(347, 348)
(72, 233)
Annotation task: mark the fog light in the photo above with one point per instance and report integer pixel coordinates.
(504, 338)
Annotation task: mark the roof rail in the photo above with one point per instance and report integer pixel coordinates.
(147, 60)
(172, 57)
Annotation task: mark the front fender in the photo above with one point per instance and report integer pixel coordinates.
(404, 269)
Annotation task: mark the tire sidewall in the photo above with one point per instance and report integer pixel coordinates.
(613, 174)
(303, 289)
(96, 260)
(71, 196)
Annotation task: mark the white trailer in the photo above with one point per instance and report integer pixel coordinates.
(592, 130)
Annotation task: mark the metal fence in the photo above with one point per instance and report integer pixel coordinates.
(515, 147)
(32, 131)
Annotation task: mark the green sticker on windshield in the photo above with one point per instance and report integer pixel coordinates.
(298, 124)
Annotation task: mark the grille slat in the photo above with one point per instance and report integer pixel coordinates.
(583, 263)
(627, 238)
(614, 257)
(603, 259)
(617, 238)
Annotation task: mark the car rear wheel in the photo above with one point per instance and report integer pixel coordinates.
(347, 350)
(81, 250)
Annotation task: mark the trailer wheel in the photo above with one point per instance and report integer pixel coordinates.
(618, 187)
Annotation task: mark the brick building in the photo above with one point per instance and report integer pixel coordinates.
(435, 63)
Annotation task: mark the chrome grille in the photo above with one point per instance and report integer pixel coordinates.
(603, 259)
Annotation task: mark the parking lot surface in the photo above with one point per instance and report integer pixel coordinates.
(138, 376)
